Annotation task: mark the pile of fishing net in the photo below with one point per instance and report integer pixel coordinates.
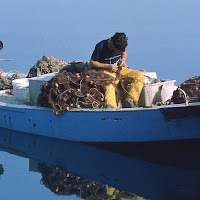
(46, 65)
(62, 182)
(50, 64)
(66, 90)
(191, 88)
(6, 80)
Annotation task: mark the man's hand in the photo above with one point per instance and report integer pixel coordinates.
(113, 67)
(122, 64)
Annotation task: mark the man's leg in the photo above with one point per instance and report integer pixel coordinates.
(136, 81)
(110, 95)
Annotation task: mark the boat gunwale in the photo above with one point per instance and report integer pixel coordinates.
(4, 106)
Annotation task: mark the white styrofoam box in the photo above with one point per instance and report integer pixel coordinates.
(21, 88)
(148, 76)
(35, 84)
(151, 93)
(167, 92)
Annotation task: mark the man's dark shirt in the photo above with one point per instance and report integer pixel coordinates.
(104, 54)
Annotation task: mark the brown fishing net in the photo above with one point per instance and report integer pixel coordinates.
(50, 64)
(46, 65)
(6, 81)
(62, 182)
(191, 88)
(66, 90)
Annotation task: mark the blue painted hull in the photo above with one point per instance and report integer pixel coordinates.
(108, 125)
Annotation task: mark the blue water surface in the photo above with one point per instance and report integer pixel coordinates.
(164, 37)
(37, 167)
(18, 182)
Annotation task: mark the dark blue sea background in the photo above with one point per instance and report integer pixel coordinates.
(163, 37)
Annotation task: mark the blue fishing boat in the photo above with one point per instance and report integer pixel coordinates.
(122, 125)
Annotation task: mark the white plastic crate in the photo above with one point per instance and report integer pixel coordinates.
(148, 76)
(35, 85)
(151, 93)
(21, 89)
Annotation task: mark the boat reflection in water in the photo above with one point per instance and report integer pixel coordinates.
(62, 182)
(95, 173)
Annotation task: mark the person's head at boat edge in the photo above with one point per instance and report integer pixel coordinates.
(1, 45)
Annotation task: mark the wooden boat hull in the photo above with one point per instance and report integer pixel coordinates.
(105, 125)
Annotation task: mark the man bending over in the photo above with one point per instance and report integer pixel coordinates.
(109, 56)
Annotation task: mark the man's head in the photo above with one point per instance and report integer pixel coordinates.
(1, 45)
(119, 41)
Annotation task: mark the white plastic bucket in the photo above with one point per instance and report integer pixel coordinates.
(21, 88)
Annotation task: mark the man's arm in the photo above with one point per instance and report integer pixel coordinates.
(123, 59)
(96, 64)
(124, 56)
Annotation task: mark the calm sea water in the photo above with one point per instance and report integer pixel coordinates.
(163, 37)
(35, 167)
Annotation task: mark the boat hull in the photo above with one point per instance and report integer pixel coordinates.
(105, 125)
